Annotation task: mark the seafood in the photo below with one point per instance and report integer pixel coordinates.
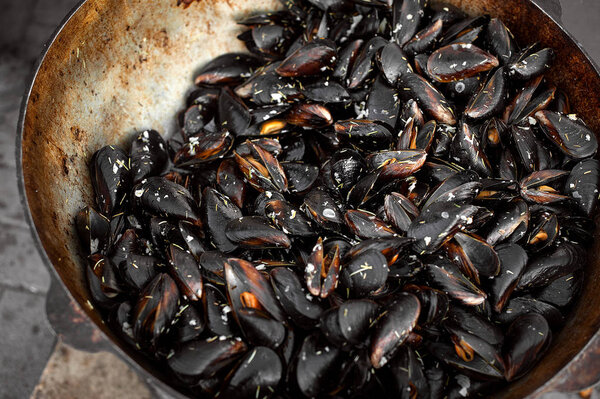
(381, 198)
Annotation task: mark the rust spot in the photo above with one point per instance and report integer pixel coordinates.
(186, 3)
(76, 132)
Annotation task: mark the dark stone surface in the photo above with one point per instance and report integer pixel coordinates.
(25, 26)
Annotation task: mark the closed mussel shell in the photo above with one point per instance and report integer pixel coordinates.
(365, 273)
(246, 382)
(526, 339)
(393, 328)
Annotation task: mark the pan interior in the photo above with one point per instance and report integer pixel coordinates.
(121, 66)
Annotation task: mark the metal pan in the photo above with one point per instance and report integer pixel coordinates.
(115, 67)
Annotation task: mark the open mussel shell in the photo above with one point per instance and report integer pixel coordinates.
(322, 270)
(392, 328)
(257, 375)
(544, 232)
(526, 340)
(463, 319)
(537, 187)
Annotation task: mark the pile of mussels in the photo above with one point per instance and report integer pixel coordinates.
(380, 198)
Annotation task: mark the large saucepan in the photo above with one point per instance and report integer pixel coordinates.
(119, 66)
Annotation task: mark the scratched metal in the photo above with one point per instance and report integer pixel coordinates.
(119, 66)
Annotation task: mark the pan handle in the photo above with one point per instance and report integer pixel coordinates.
(70, 323)
(552, 8)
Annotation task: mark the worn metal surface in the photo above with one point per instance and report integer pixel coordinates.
(119, 66)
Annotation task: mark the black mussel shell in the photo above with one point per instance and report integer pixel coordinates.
(217, 210)
(155, 309)
(255, 232)
(149, 155)
(257, 375)
(582, 185)
(571, 136)
(230, 68)
(526, 340)
(110, 172)
(365, 273)
(393, 327)
(204, 358)
(513, 260)
(301, 307)
(93, 229)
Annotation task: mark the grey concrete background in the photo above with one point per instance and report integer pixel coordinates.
(26, 341)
